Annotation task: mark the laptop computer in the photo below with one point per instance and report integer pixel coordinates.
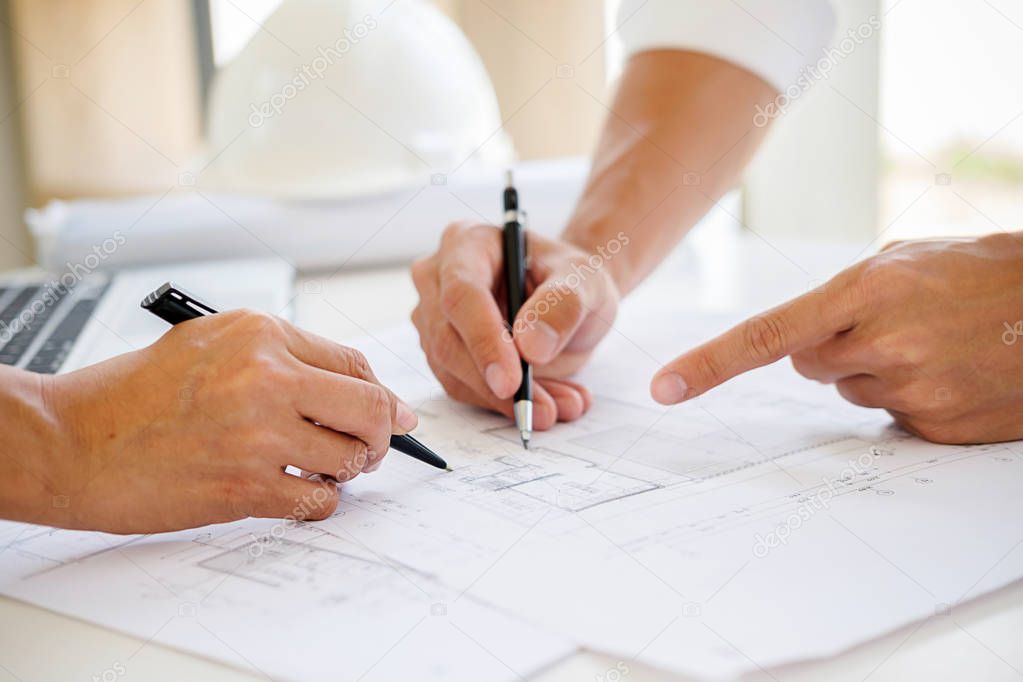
(61, 322)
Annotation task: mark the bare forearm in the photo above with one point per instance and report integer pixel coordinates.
(678, 137)
(29, 490)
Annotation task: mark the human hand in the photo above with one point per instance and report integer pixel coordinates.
(925, 330)
(461, 321)
(198, 427)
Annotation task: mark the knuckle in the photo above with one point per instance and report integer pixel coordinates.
(420, 270)
(452, 233)
(379, 408)
(803, 365)
(851, 391)
(238, 496)
(356, 362)
(707, 367)
(934, 431)
(233, 316)
(454, 291)
(264, 369)
(940, 411)
(900, 396)
(254, 319)
(486, 347)
(874, 279)
(263, 439)
(765, 336)
(354, 462)
(325, 504)
(889, 350)
(447, 353)
(559, 295)
(257, 328)
(421, 319)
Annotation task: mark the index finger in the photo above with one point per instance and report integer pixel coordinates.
(324, 354)
(759, 341)
(466, 294)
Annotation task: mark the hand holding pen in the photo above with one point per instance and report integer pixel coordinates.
(174, 306)
(464, 330)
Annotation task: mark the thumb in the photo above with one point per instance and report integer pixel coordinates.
(549, 319)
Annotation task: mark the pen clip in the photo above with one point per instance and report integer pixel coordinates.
(172, 304)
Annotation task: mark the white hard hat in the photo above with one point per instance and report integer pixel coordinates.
(337, 98)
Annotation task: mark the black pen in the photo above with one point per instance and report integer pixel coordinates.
(171, 304)
(515, 283)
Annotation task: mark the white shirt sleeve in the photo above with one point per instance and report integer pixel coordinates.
(774, 39)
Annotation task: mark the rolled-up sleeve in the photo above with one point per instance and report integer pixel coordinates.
(775, 39)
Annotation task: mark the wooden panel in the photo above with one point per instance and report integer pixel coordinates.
(111, 98)
(15, 247)
(547, 63)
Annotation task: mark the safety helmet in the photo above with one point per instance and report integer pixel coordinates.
(339, 98)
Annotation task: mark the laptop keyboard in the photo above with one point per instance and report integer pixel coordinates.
(17, 304)
(27, 324)
(53, 352)
(23, 338)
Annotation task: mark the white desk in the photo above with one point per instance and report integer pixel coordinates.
(978, 641)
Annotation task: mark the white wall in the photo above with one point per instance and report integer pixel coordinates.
(15, 247)
(817, 175)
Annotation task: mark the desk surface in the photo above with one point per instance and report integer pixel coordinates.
(977, 641)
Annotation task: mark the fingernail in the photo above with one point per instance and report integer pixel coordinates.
(407, 419)
(539, 342)
(669, 389)
(495, 378)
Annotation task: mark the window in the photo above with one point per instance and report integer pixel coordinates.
(952, 117)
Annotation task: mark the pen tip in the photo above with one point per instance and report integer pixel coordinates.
(448, 469)
(525, 443)
(508, 179)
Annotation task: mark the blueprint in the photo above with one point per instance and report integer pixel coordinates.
(763, 523)
(282, 601)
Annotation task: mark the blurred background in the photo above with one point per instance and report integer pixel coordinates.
(917, 132)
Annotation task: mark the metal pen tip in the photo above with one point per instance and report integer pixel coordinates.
(448, 469)
(525, 440)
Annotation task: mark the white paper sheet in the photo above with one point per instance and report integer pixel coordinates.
(766, 522)
(763, 523)
(283, 601)
(187, 223)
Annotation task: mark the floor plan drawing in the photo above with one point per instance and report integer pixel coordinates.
(687, 534)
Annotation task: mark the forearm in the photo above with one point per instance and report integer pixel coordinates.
(678, 137)
(30, 489)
